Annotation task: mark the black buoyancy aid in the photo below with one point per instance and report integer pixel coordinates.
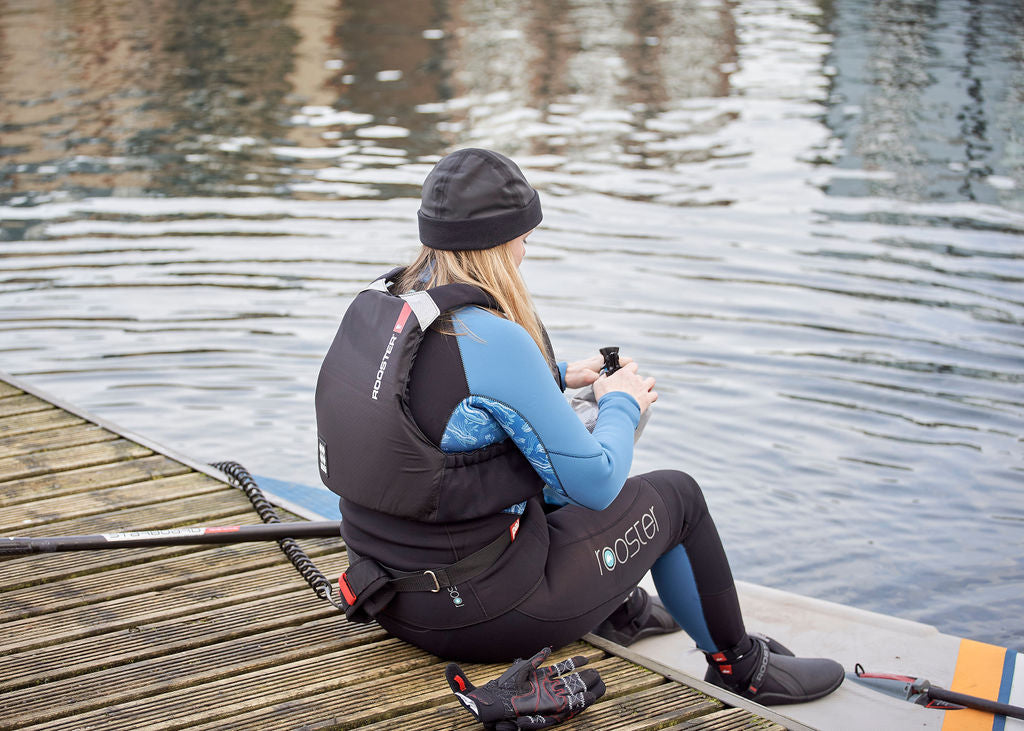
(372, 452)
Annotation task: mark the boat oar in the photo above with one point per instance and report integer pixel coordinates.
(188, 536)
(922, 692)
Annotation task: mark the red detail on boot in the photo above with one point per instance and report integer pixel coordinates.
(725, 669)
(719, 657)
(461, 682)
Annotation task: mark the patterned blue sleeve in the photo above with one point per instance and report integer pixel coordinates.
(512, 390)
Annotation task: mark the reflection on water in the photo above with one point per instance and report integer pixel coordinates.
(931, 94)
(804, 218)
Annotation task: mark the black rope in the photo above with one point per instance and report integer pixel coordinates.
(268, 514)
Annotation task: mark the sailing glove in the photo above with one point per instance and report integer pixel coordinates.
(527, 696)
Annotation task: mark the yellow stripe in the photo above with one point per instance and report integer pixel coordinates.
(979, 669)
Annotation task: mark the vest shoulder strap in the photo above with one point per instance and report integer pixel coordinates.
(428, 304)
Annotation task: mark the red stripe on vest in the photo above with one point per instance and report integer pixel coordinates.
(402, 317)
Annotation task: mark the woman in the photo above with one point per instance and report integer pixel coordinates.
(443, 425)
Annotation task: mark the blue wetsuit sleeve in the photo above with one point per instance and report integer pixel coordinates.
(510, 379)
(562, 366)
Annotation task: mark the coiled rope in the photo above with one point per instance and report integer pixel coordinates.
(268, 514)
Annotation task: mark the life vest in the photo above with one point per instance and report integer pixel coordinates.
(371, 451)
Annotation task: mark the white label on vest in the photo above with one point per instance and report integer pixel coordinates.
(323, 456)
(383, 366)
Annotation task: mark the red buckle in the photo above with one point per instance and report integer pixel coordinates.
(719, 657)
(346, 590)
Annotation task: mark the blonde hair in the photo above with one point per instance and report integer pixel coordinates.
(493, 270)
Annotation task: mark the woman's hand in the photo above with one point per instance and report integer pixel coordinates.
(584, 372)
(628, 381)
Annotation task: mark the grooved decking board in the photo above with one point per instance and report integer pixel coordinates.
(127, 612)
(68, 436)
(173, 637)
(87, 479)
(69, 458)
(102, 501)
(371, 702)
(141, 679)
(729, 719)
(16, 573)
(51, 418)
(170, 512)
(215, 637)
(189, 568)
(370, 670)
(21, 403)
(642, 710)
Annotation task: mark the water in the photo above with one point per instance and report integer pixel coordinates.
(805, 218)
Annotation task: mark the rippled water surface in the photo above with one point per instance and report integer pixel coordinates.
(806, 219)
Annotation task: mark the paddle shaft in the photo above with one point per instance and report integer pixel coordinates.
(980, 704)
(172, 537)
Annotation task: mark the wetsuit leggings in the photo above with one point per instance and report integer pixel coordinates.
(658, 522)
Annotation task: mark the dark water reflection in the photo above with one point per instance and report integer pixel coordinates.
(804, 218)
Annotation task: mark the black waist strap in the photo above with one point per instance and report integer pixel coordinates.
(368, 586)
(434, 580)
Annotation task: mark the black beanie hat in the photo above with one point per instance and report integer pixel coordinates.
(476, 199)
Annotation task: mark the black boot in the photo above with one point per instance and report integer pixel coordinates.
(766, 672)
(638, 617)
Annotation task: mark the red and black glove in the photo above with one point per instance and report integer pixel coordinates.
(525, 697)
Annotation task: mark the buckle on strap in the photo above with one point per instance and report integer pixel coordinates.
(433, 580)
(437, 585)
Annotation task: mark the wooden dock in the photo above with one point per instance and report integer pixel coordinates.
(226, 637)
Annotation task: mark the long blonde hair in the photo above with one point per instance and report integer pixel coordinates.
(493, 270)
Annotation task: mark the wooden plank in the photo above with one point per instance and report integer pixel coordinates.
(59, 460)
(653, 708)
(7, 389)
(22, 404)
(178, 634)
(371, 701)
(203, 510)
(68, 436)
(146, 678)
(124, 613)
(450, 716)
(405, 701)
(184, 510)
(728, 719)
(637, 710)
(89, 478)
(52, 418)
(25, 516)
(189, 568)
(359, 667)
(33, 570)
